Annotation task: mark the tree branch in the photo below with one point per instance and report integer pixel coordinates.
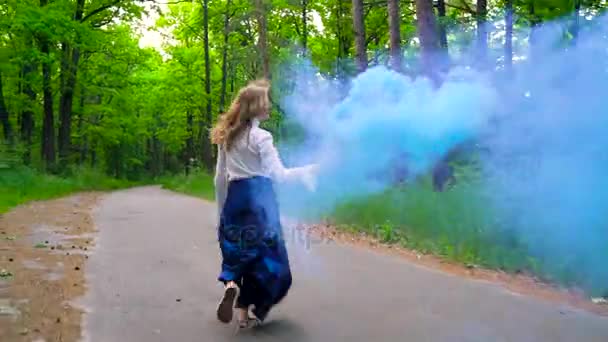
(99, 10)
(464, 9)
(295, 21)
(384, 3)
(171, 2)
(194, 32)
(102, 23)
(370, 38)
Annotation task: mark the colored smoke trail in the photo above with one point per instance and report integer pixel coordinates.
(546, 129)
(386, 119)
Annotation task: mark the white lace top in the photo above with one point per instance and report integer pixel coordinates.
(254, 154)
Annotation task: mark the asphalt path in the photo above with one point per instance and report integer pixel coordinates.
(152, 277)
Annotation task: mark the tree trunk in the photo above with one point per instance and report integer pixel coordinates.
(482, 32)
(344, 44)
(70, 68)
(206, 145)
(83, 137)
(157, 158)
(533, 24)
(347, 43)
(359, 28)
(4, 117)
(190, 140)
(232, 77)
(427, 33)
(443, 35)
(576, 21)
(509, 36)
(225, 56)
(263, 37)
(340, 39)
(27, 115)
(93, 156)
(394, 24)
(48, 124)
(305, 25)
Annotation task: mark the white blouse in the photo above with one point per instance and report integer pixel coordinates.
(254, 154)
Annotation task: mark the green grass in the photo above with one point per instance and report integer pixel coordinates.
(453, 224)
(460, 225)
(20, 185)
(198, 184)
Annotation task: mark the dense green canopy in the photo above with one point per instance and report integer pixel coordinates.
(79, 88)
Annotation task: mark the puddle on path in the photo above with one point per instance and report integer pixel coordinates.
(8, 309)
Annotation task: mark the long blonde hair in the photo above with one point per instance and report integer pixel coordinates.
(251, 102)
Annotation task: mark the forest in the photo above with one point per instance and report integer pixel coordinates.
(84, 105)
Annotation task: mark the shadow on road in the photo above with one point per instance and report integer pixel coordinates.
(280, 329)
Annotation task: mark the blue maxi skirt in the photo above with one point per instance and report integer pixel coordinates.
(252, 245)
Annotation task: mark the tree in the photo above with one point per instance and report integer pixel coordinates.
(260, 11)
(482, 32)
(225, 47)
(443, 36)
(4, 116)
(207, 150)
(534, 22)
(395, 33)
(427, 33)
(576, 20)
(509, 35)
(48, 125)
(304, 25)
(360, 42)
(27, 114)
(71, 57)
(345, 40)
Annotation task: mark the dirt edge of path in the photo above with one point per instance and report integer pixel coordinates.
(45, 245)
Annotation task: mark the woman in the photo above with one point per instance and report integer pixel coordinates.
(255, 265)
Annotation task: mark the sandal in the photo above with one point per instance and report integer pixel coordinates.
(250, 322)
(224, 308)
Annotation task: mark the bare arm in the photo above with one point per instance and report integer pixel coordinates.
(272, 162)
(221, 180)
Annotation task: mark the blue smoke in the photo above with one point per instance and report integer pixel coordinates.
(547, 168)
(544, 125)
(386, 120)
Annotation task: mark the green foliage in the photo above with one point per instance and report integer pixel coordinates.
(197, 184)
(20, 185)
